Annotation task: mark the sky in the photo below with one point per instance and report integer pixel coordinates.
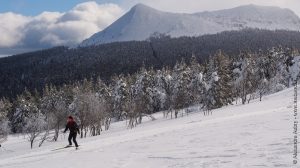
(27, 25)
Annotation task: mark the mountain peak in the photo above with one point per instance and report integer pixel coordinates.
(142, 8)
(260, 7)
(142, 21)
(140, 5)
(252, 6)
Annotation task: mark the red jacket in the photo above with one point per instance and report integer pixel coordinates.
(73, 127)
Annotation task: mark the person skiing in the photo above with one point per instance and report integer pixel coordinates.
(73, 127)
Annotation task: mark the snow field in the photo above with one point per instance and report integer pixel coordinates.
(258, 134)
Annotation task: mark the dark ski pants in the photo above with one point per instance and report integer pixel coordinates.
(73, 136)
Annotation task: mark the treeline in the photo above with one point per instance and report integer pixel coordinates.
(220, 81)
(60, 65)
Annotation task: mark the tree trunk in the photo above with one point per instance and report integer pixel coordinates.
(107, 123)
(44, 138)
(31, 143)
(140, 118)
(250, 97)
(260, 96)
(85, 132)
(81, 130)
(56, 132)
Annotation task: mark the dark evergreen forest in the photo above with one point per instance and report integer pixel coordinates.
(61, 65)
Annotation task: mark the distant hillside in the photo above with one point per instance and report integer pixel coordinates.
(143, 21)
(61, 65)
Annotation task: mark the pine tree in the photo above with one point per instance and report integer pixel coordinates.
(219, 82)
(244, 76)
(224, 83)
(24, 105)
(210, 84)
(197, 83)
(166, 87)
(143, 93)
(120, 94)
(159, 93)
(260, 75)
(181, 83)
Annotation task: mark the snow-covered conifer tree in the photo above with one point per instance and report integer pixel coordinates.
(218, 82)
(180, 84)
(120, 93)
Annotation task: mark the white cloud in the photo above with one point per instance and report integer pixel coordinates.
(11, 28)
(54, 28)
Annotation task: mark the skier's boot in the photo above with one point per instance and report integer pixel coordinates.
(68, 146)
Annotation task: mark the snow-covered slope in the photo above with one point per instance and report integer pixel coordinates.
(142, 21)
(259, 134)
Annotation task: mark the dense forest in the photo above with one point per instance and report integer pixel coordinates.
(61, 65)
(221, 81)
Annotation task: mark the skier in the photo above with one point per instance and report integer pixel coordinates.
(73, 127)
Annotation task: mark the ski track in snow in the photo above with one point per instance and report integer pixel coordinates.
(258, 134)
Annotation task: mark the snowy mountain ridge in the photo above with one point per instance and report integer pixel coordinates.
(143, 21)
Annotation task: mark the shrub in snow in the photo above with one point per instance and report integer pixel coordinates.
(5, 107)
(35, 125)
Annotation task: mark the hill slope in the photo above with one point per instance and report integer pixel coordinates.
(142, 21)
(258, 134)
